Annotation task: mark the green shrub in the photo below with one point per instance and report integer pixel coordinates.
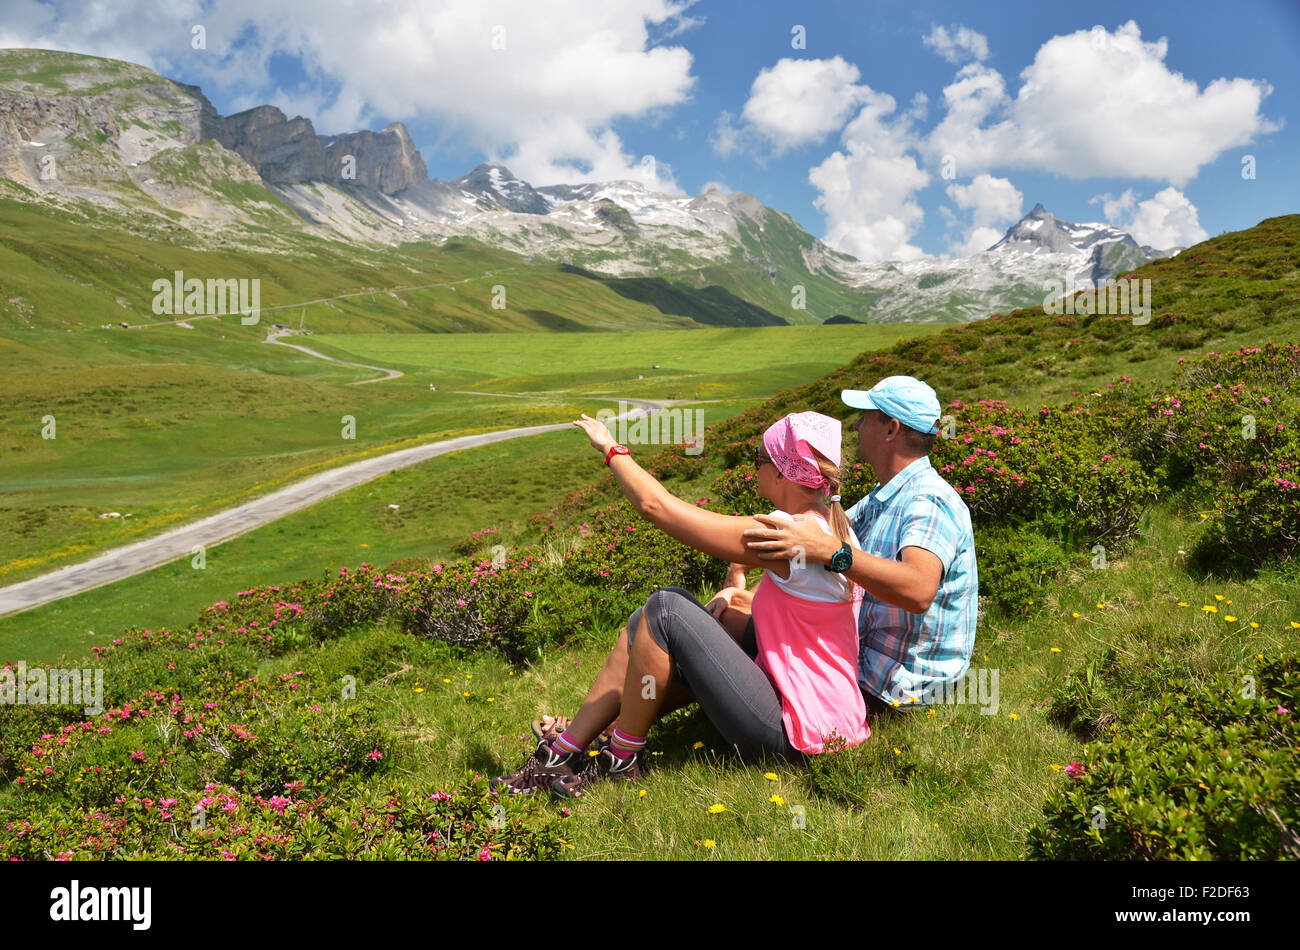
(1206, 772)
(219, 822)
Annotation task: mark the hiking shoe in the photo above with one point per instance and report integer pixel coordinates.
(606, 765)
(543, 767)
(558, 724)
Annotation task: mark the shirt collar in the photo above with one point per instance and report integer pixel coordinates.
(882, 493)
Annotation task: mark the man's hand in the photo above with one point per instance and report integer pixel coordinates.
(784, 540)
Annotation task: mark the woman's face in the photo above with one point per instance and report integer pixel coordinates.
(764, 471)
(768, 475)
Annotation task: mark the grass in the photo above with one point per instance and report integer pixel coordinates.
(170, 424)
(955, 785)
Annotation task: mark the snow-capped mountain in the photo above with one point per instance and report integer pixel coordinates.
(160, 152)
(1017, 271)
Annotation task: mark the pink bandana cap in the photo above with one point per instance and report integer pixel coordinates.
(789, 442)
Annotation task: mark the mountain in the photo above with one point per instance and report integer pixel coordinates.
(1017, 271)
(84, 133)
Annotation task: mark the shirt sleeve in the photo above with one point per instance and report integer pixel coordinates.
(926, 524)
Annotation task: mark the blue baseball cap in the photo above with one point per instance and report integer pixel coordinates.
(905, 398)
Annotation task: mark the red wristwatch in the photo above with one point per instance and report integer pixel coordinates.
(616, 450)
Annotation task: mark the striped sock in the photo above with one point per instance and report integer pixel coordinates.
(565, 744)
(625, 746)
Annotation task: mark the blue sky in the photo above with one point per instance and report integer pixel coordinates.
(895, 129)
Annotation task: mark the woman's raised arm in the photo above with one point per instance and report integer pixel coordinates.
(715, 534)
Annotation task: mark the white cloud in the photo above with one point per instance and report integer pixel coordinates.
(1167, 219)
(1097, 104)
(993, 203)
(794, 103)
(544, 102)
(1116, 209)
(960, 44)
(867, 189)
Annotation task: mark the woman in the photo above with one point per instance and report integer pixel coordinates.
(784, 686)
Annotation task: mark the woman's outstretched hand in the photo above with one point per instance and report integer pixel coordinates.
(601, 440)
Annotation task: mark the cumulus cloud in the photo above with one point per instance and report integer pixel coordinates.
(867, 189)
(1116, 209)
(1097, 104)
(513, 78)
(794, 103)
(992, 203)
(958, 44)
(1167, 219)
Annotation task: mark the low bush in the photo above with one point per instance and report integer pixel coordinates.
(1204, 772)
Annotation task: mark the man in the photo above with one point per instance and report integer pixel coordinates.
(916, 624)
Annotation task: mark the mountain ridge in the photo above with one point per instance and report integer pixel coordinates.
(105, 125)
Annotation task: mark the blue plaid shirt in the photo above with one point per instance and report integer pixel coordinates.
(902, 653)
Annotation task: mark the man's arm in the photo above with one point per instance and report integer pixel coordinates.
(910, 583)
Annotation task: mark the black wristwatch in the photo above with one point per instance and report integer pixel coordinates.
(841, 560)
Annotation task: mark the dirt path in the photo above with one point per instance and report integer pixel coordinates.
(180, 542)
(274, 337)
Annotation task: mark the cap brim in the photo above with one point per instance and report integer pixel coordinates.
(857, 398)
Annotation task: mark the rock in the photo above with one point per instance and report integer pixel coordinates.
(282, 150)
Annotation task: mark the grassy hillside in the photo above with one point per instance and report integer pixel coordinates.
(1156, 680)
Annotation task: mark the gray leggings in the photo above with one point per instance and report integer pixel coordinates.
(718, 673)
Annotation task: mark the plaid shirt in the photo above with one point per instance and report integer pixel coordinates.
(902, 653)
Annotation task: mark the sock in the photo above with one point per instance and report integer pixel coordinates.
(565, 744)
(624, 746)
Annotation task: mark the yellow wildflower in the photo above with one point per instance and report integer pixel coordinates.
(710, 843)
(642, 793)
(1183, 603)
(776, 800)
(698, 745)
(1210, 609)
(1056, 649)
(1229, 618)
(770, 776)
(717, 808)
(1012, 716)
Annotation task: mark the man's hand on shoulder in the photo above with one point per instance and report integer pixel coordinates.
(783, 540)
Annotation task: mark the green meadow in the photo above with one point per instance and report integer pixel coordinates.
(1084, 652)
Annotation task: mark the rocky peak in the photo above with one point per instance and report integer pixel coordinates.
(493, 185)
(282, 150)
(386, 161)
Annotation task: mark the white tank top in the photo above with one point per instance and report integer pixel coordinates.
(814, 582)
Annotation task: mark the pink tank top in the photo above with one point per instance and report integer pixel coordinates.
(809, 651)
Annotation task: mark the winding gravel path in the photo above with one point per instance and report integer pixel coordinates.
(274, 337)
(179, 542)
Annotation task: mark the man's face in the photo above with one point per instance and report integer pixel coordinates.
(873, 428)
